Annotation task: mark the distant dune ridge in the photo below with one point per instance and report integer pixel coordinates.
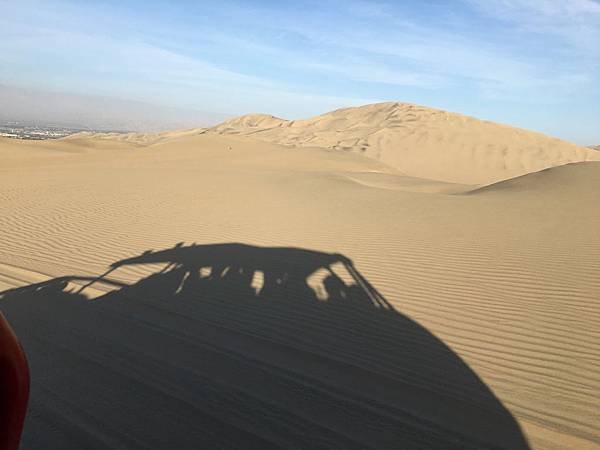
(140, 139)
(214, 288)
(411, 140)
(418, 141)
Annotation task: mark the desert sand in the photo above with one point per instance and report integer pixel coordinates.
(381, 277)
(419, 141)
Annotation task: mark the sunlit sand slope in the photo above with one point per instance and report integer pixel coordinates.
(408, 313)
(419, 141)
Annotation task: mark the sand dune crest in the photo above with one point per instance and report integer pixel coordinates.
(418, 141)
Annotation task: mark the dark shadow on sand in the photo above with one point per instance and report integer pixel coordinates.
(238, 346)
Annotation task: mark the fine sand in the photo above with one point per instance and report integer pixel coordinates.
(418, 141)
(218, 289)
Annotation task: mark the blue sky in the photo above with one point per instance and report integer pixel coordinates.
(529, 63)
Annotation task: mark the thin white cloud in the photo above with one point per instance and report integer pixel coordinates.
(372, 73)
(575, 22)
(141, 72)
(429, 56)
(561, 10)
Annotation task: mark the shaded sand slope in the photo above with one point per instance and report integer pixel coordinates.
(484, 302)
(573, 182)
(419, 141)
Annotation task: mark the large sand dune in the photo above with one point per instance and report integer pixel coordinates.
(207, 290)
(420, 142)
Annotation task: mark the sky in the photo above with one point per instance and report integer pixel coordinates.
(529, 63)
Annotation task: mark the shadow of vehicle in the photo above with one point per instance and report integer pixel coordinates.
(239, 346)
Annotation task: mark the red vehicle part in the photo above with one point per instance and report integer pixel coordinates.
(14, 387)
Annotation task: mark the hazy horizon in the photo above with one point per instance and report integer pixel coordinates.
(146, 66)
(99, 113)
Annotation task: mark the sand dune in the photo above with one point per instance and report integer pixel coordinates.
(420, 142)
(219, 291)
(141, 139)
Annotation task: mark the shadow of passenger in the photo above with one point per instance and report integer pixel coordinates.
(240, 346)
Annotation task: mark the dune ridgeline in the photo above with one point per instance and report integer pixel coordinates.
(418, 141)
